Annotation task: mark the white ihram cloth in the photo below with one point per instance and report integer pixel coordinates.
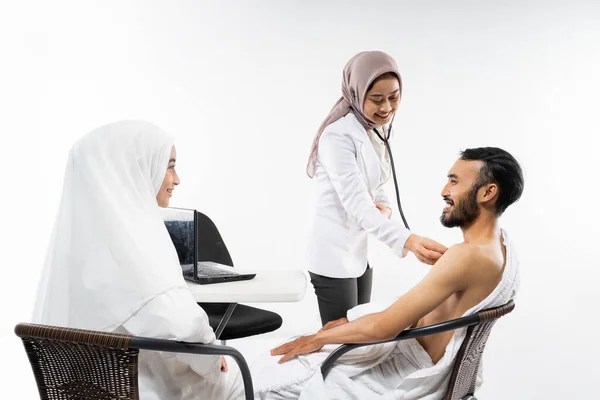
(111, 265)
(401, 370)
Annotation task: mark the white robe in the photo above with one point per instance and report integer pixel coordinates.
(112, 266)
(401, 370)
(175, 315)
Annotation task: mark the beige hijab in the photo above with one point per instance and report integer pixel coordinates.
(359, 73)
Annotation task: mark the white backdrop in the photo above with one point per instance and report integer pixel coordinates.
(244, 85)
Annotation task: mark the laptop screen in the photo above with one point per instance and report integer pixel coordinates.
(181, 227)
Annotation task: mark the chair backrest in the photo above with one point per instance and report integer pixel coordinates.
(211, 246)
(77, 364)
(464, 374)
(74, 364)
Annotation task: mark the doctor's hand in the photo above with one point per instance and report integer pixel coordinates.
(333, 324)
(302, 345)
(385, 210)
(426, 250)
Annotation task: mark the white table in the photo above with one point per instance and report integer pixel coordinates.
(268, 286)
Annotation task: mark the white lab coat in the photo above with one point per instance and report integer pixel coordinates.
(346, 187)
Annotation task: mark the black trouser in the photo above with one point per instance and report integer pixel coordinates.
(337, 295)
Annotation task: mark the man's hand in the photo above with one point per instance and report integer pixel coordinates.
(333, 324)
(385, 210)
(224, 367)
(302, 345)
(426, 250)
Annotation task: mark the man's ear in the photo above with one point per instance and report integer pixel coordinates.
(488, 193)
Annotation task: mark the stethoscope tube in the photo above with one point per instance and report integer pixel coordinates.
(389, 150)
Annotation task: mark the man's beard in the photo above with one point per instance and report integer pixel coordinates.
(463, 213)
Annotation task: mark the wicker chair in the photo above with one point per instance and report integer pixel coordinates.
(464, 373)
(76, 364)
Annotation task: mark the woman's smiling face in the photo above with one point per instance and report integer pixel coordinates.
(382, 99)
(169, 182)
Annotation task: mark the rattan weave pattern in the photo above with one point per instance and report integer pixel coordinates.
(71, 364)
(464, 373)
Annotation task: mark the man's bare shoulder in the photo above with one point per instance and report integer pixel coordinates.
(469, 261)
(461, 254)
(464, 259)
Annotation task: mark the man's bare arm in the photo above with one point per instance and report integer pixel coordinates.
(448, 276)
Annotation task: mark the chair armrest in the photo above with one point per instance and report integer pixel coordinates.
(405, 334)
(172, 346)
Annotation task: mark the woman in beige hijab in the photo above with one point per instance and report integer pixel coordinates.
(349, 165)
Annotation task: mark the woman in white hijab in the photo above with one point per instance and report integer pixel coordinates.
(112, 266)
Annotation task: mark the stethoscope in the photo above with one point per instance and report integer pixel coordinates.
(389, 150)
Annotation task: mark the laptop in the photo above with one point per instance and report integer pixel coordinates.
(182, 225)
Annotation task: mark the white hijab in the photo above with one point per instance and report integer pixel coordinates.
(110, 252)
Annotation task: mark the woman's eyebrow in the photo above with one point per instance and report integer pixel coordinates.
(381, 95)
(172, 160)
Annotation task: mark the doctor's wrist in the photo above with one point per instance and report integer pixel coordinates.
(412, 242)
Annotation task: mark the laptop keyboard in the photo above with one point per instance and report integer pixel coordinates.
(209, 270)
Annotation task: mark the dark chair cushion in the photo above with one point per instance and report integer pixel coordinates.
(245, 320)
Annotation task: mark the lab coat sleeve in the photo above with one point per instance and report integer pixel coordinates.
(337, 154)
(381, 197)
(174, 315)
